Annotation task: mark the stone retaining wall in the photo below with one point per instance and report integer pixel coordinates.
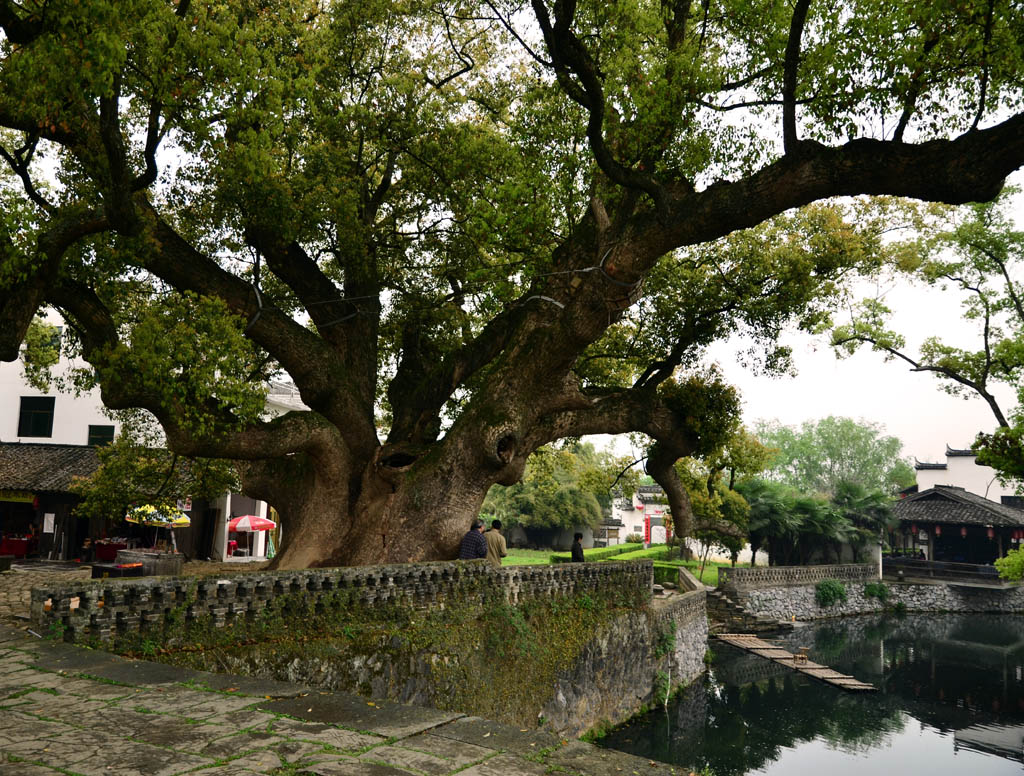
(798, 602)
(669, 642)
(101, 610)
(574, 645)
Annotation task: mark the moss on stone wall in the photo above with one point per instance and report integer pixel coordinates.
(483, 657)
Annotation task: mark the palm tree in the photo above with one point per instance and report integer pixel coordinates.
(868, 511)
(772, 523)
(822, 529)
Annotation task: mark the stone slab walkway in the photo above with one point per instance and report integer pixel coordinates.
(72, 711)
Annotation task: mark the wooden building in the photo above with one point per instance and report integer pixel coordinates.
(948, 523)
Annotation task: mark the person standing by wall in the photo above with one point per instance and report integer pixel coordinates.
(496, 549)
(474, 545)
(577, 548)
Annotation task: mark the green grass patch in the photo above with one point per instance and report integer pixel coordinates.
(597, 553)
(668, 571)
(520, 557)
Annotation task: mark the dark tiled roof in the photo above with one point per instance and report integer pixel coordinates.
(919, 465)
(953, 453)
(651, 493)
(955, 506)
(44, 468)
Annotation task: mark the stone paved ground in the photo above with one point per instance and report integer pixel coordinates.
(78, 712)
(72, 711)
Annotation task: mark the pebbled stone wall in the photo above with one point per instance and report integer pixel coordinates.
(798, 603)
(618, 670)
(101, 610)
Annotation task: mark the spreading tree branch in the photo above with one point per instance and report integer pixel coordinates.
(917, 366)
(790, 73)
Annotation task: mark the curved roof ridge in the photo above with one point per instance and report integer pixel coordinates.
(954, 452)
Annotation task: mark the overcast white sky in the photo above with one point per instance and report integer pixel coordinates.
(908, 404)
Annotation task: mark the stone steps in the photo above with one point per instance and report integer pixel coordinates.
(728, 615)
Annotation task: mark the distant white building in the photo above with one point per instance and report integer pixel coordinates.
(645, 514)
(962, 470)
(648, 516)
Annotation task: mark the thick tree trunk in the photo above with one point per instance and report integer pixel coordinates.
(331, 518)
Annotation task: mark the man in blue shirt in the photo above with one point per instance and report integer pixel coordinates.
(474, 545)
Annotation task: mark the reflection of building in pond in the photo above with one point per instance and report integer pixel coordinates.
(955, 672)
(748, 669)
(1001, 740)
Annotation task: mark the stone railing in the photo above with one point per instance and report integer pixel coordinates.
(688, 582)
(101, 610)
(761, 577)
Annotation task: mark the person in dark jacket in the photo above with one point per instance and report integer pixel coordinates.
(474, 545)
(577, 548)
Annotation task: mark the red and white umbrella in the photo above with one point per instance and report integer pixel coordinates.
(248, 523)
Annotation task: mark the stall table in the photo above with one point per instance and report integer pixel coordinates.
(19, 548)
(106, 552)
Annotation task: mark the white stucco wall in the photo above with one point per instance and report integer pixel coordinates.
(72, 415)
(964, 472)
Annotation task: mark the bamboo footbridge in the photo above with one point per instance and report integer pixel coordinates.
(798, 662)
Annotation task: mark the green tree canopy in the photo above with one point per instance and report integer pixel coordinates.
(136, 469)
(562, 488)
(720, 512)
(464, 232)
(820, 455)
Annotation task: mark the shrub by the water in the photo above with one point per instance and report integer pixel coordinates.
(829, 592)
(1012, 566)
(877, 590)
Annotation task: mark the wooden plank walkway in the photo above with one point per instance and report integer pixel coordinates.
(756, 646)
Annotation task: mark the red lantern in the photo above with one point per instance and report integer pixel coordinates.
(938, 530)
(913, 528)
(991, 533)
(963, 532)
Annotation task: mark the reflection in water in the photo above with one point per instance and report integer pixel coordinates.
(951, 697)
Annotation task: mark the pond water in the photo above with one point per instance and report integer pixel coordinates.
(950, 700)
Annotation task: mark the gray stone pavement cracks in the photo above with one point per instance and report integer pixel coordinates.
(73, 711)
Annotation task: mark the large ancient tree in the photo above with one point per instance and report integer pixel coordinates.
(464, 230)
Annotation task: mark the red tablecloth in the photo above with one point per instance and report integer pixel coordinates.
(16, 547)
(107, 551)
